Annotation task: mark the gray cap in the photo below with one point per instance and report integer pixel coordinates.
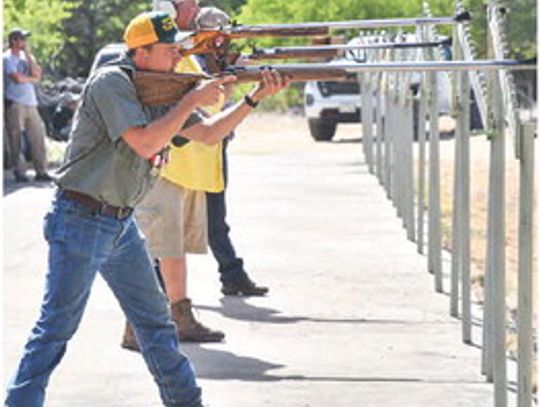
(18, 33)
(211, 18)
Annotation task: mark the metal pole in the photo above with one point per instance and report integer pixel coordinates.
(408, 162)
(388, 129)
(498, 249)
(456, 215)
(434, 210)
(421, 164)
(395, 139)
(367, 118)
(487, 349)
(379, 129)
(525, 268)
(457, 106)
(465, 209)
(421, 137)
(400, 160)
(410, 173)
(498, 235)
(398, 145)
(361, 79)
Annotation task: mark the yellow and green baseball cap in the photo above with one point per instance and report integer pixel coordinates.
(151, 27)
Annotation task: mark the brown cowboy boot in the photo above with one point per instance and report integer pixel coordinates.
(129, 341)
(189, 329)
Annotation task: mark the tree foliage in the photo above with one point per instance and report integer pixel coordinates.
(231, 7)
(519, 21)
(92, 25)
(44, 19)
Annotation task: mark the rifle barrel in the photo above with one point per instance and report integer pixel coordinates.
(479, 65)
(296, 75)
(287, 30)
(322, 51)
(351, 47)
(365, 24)
(305, 53)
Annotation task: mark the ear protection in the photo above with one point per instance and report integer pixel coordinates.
(167, 7)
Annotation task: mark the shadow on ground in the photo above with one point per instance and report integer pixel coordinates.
(224, 365)
(218, 364)
(237, 308)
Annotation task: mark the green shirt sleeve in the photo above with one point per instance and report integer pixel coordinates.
(116, 101)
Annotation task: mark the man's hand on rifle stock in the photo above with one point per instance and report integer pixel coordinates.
(271, 83)
(208, 93)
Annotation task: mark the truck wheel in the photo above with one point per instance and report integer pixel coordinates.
(322, 130)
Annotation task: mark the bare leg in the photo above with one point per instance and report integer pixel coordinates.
(173, 271)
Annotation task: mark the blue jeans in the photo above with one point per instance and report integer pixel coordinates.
(80, 244)
(230, 266)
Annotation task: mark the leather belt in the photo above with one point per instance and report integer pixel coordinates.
(98, 206)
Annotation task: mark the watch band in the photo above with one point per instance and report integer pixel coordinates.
(250, 102)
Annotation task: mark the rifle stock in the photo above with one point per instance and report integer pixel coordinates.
(156, 88)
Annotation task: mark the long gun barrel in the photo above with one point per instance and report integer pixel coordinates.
(361, 24)
(155, 88)
(208, 41)
(329, 51)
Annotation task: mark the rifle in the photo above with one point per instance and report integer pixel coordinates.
(155, 88)
(332, 51)
(217, 40)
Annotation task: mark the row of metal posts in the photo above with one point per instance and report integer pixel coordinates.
(389, 155)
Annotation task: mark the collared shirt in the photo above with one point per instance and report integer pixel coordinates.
(23, 93)
(98, 162)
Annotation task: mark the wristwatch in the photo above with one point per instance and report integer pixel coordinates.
(250, 102)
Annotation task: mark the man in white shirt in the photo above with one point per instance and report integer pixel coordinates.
(21, 72)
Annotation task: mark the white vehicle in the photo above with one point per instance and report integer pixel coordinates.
(328, 103)
(106, 54)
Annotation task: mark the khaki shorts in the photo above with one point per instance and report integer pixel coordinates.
(174, 220)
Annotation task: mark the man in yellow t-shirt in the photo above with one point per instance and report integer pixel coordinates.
(191, 170)
(234, 278)
(173, 217)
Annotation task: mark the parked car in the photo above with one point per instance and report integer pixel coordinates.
(107, 54)
(327, 103)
